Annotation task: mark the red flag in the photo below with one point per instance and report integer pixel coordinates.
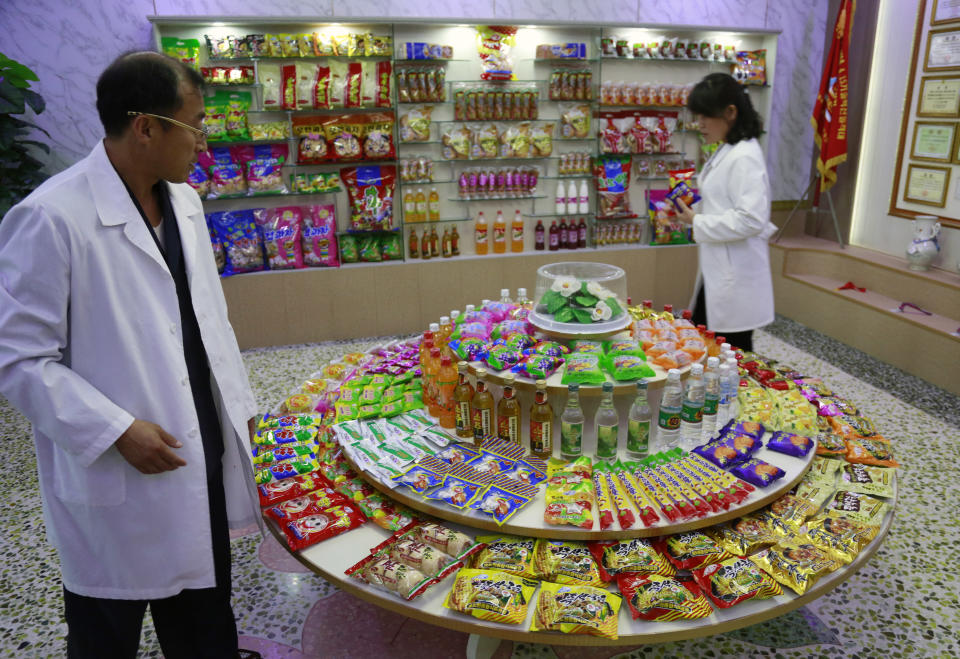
(830, 111)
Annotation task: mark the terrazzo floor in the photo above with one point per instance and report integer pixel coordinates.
(903, 603)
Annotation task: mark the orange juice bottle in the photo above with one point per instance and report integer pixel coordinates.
(713, 348)
(516, 233)
(480, 234)
(443, 334)
(499, 234)
(409, 206)
(432, 374)
(433, 205)
(421, 203)
(425, 347)
(446, 383)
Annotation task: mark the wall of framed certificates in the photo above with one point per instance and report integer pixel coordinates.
(927, 174)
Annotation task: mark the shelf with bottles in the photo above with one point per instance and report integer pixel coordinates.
(561, 60)
(438, 60)
(499, 198)
(293, 59)
(369, 232)
(421, 182)
(269, 195)
(442, 220)
(341, 163)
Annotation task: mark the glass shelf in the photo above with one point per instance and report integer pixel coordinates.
(423, 102)
(403, 60)
(433, 182)
(555, 177)
(609, 108)
(560, 214)
(271, 58)
(440, 221)
(686, 60)
(350, 163)
(218, 143)
(500, 198)
(269, 195)
(368, 232)
(505, 121)
(231, 85)
(561, 60)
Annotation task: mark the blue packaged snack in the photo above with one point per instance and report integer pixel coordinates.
(790, 444)
(241, 241)
(757, 472)
(550, 348)
(524, 472)
(507, 328)
(500, 357)
(469, 348)
(219, 255)
(537, 367)
(458, 492)
(419, 478)
(519, 341)
(499, 503)
(491, 463)
(753, 428)
(457, 454)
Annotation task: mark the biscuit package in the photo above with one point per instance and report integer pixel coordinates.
(576, 610)
(491, 595)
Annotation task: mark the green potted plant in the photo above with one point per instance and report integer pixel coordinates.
(20, 172)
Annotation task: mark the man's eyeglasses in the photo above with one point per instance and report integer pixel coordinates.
(199, 133)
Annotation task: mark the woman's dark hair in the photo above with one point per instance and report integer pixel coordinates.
(711, 96)
(141, 82)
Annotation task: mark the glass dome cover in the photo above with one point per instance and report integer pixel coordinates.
(580, 298)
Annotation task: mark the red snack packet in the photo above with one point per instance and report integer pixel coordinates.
(735, 580)
(320, 236)
(281, 229)
(321, 88)
(370, 190)
(384, 77)
(288, 86)
(662, 598)
(312, 503)
(326, 523)
(313, 141)
(290, 488)
(353, 86)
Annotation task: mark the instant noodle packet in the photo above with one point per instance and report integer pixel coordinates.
(837, 533)
(327, 523)
(636, 555)
(566, 562)
(735, 580)
(277, 492)
(691, 550)
(312, 503)
(797, 563)
(491, 595)
(576, 610)
(746, 535)
(662, 598)
(506, 553)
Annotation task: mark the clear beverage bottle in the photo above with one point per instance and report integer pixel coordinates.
(516, 232)
(733, 389)
(668, 419)
(541, 423)
(554, 236)
(691, 416)
(505, 296)
(711, 398)
(421, 205)
(607, 424)
(480, 234)
(446, 383)
(433, 205)
(499, 234)
(463, 398)
(571, 425)
(508, 413)
(409, 206)
(539, 242)
(638, 428)
(481, 410)
(723, 406)
(522, 298)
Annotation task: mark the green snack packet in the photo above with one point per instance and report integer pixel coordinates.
(347, 411)
(624, 347)
(392, 393)
(628, 367)
(381, 380)
(349, 251)
(370, 395)
(467, 349)
(369, 411)
(583, 369)
(349, 395)
(370, 249)
(403, 378)
(588, 347)
(412, 400)
(391, 247)
(416, 384)
(392, 407)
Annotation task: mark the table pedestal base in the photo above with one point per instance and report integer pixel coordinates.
(481, 647)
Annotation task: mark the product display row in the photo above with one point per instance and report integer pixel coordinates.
(787, 489)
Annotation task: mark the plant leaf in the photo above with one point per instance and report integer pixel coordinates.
(586, 300)
(556, 304)
(11, 98)
(34, 100)
(565, 315)
(40, 145)
(583, 316)
(12, 67)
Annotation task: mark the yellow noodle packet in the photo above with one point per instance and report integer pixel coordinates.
(491, 595)
(566, 563)
(576, 610)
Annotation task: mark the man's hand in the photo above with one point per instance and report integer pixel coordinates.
(684, 213)
(147, 447)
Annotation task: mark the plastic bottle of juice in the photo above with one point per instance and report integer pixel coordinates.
(522, 298)
(554, 236)
(582, 231)
(711, 398)
(571, 425)
(414, 244)
(541, 423)
(607, 423)
(505, 296)
(409, 206)
(691, 416)
(454, 242)
(538, 236)
(508, 413)
(426, 347)
(564, 238)
(425, 245)
(583, 199)
(433, 367)
(516, 232)
(446, 383)
(713, 348)
(421, 205)
(481, 411)
(433, 205)
(668, 424)
(638, 430)
(463, 399)
(480, 234)
(434, 243)
(499, 234)
(572, 197)
(442, 337)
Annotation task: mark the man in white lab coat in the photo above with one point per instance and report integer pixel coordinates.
(115, 343)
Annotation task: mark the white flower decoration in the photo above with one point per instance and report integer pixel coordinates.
(566, 286)
(596, 290)
(601, 312)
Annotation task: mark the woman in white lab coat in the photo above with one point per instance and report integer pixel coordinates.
(734, 291)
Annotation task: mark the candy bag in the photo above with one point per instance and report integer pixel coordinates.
(277, 492)
(747, 534)
(468, 348)
(576, 610)
(582, 369)
(329, 522)
(612, 179)
(457, 492)
(566, 563)
(735, 580)
(549, 348)
(371, 191)
(241, 241)
(320, 236)
(499, 503)
(491, 595)
(494, 43)
(537, 367)
(575, 513)
(790, 444)
(624, 347)
(349, 249)
(870, 451)
(621, 556)
(796, 563)
(877, 481)
(312, 503)
(835, 532)
(662, 598)
(757, 472)
(506, 553)
(500, 358)
(281, 230)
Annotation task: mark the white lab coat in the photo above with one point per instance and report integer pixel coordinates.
(89, 340)
(732, 228)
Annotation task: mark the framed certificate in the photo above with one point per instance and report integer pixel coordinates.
(943, 50)
(933, 141)
(939, 97)
(927, 184)
(945, 11)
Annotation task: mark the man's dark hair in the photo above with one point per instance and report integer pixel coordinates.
(141, 82)
(711, 96)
